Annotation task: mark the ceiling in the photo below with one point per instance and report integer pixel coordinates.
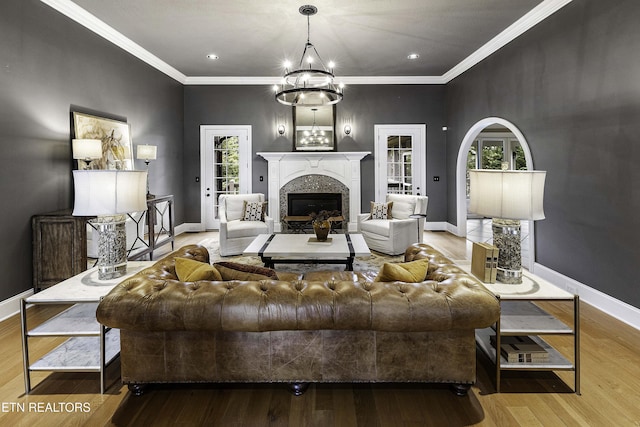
(369, 40)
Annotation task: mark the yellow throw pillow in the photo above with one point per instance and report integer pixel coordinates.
(410, 272)
(189, 270)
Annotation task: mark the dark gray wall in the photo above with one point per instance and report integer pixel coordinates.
(50, 66)
(571, 86)
(363, 105)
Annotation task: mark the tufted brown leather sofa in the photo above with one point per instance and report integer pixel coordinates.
(329, 327)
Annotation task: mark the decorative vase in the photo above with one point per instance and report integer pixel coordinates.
(322, 228)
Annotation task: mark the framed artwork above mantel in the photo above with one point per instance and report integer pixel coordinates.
(314, 128)
(117, 152)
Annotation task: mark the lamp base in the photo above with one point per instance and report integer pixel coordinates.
(112, 246)
(506, 237)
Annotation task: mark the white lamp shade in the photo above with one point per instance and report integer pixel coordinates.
(507, 194)
(146, 152)
(86, 148)
(109, 192)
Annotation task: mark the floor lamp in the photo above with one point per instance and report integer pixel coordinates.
(508, 197)
(110, 195)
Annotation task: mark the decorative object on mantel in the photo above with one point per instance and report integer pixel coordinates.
(109, 195)
(147, 153)
(85, 151)
(117, 153)
(507, 196)
(311, 84)
(322, 224)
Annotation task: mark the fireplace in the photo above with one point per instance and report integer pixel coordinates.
(301, 204)
(314, 172)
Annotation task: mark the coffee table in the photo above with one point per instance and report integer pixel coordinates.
(300, 248)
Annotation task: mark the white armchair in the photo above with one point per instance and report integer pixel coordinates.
(236, 234)
(393, 236)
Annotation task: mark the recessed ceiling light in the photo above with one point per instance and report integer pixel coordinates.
(212, 56)
(413, 56)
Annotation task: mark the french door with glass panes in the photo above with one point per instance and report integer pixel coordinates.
(225, 167)
(400, 156)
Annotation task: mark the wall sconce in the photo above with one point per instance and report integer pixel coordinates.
(281, 129)
(85, 151)
(347, 130)
(147, 152)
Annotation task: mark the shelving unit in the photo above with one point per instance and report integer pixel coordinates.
(524, 318)
(521, 316)
(90, 347)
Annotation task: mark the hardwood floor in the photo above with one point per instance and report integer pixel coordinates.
(610, 387)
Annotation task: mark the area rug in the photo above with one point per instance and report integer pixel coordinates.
(372, 263)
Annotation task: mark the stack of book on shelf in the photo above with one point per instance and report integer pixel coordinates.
(521, 349)
(484, 262)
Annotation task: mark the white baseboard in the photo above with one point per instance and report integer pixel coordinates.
(453, 229)
(11, 306)
(436, 226)
(613, 307)
(189, 227)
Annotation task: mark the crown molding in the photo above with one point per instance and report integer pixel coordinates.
(232, 80)
(391, 80)
(348, 80)
(532, 18)
(84, 18)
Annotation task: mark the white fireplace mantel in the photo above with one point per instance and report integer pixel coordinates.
(343, 166)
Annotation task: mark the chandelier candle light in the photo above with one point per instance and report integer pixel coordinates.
(507, 196)
(314, 136)
(311, 84)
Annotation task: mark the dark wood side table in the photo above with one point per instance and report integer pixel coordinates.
(59, 247)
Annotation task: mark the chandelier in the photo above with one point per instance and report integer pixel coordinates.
(315, 135)
(311, 84)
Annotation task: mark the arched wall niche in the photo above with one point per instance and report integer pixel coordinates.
(461, 175)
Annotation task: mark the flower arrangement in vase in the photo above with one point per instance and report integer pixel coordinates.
(322, 224)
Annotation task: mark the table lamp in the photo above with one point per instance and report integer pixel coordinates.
(109, 195)
(147, 153)
(507, 196)
(85, 151)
